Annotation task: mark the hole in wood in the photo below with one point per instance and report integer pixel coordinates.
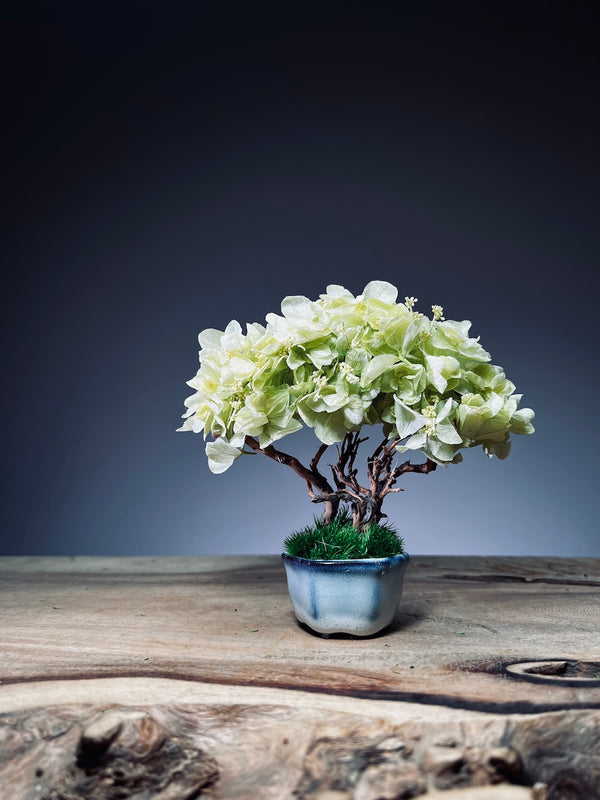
(560, 671)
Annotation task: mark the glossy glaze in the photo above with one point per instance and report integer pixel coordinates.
(359, 596)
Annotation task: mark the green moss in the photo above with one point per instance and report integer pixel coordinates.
(340, 540)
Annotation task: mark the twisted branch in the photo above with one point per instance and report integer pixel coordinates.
(312, 477)
(365, 502)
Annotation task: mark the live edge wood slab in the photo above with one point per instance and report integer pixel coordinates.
(175, 678)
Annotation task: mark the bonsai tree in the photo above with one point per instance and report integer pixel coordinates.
(341, 363)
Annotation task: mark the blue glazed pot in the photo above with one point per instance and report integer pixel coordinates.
(357, 596)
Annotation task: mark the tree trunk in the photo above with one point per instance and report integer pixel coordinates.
(331, 510)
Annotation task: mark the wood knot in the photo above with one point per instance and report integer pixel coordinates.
(123, 731)
(506, 762)
(359, 767)
(456, 766)
(127, 753)
(98, 736)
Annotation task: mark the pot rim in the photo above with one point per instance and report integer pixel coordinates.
(345, 562)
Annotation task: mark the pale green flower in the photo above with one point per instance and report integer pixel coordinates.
(442, 370)
(344, 361)
(452, 338)
(221, 455)
(377, 366)
(431, 430)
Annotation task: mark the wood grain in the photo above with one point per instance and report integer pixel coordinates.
(229, 620)
(242, 752)
(200, 663)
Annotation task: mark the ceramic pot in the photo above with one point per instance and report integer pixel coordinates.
(356, 596)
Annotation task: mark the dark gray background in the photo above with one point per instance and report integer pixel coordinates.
(171, 169)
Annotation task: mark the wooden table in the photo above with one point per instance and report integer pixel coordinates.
(197, 666)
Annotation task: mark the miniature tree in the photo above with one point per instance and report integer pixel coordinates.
(338, 364)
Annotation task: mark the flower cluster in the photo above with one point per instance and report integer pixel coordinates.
(341, 362)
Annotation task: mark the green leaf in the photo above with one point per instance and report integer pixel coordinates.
(354, 411)
(438, 451)
(440, 369)
(334, 401)
(498, 449)
(320, 355)
(377, 366)
(275, 431)
(447, 433)
(329, 427)
(408, 421)
(415, 442)
(249, 421)
(296, 358)
(412, 332)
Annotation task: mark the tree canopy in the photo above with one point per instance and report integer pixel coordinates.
(341, 362)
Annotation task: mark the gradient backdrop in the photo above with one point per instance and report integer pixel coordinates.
(172, 169)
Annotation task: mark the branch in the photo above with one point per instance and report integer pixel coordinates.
(342, 496)
(381, 473)
(308, 475)
(394, 474)
(344, 472)
(381, 462)
(314, 464)
(317, 456)
(424, 469)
